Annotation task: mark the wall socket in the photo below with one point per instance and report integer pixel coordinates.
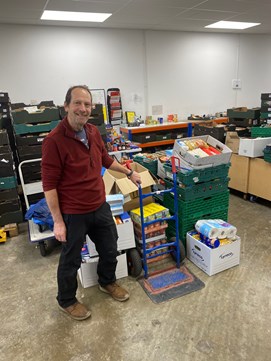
(236, 84)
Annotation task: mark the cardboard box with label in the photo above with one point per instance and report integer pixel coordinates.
(116, 182)
(213, 260)
(88, 271)
(253, 148)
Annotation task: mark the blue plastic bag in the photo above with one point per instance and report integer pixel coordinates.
(40, 214)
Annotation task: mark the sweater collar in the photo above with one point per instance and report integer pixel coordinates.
(69, 132)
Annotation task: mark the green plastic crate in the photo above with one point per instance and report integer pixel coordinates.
(39, 128)
(8, 182)
(260, 132)
(200, 175)
(41, 116)
(200, 190)
(186, 225)
(150, 164)
(197, 207)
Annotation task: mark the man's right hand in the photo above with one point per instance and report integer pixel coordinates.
(60, 231)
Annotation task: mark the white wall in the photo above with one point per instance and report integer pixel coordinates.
(40, 63)
(184, 72)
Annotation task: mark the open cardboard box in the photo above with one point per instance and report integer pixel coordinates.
(222, 158)
(116, 182)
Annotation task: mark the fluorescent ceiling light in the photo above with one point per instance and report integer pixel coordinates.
(232, 25)
(74, 16)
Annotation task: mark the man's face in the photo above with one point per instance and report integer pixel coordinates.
(79, 108)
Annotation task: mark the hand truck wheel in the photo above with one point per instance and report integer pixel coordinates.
(134, 262)
(182, 250)
(42, 246)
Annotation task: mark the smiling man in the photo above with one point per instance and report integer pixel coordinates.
(73, 155)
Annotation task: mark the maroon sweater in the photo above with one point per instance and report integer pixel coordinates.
(73, 170)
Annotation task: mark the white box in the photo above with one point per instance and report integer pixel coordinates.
(222, 158)
(88, 271)
(253, 148)
(212, 260)
(126, 238)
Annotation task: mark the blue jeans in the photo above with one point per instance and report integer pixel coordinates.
(101, 228)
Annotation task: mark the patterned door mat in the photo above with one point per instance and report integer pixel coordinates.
(165, 285)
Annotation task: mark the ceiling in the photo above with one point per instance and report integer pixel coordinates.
(178, 15)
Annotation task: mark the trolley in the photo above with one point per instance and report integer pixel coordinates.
(174, 246)
(30, 188)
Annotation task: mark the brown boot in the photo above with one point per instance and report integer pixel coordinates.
(77, 311)
(117, 292)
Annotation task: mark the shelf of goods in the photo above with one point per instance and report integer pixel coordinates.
(162, 134)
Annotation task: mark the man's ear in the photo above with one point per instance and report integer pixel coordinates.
(66, 107)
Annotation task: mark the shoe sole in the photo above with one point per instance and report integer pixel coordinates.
(115, 298)
(74, 317)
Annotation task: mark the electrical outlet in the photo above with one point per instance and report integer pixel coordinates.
(236, 84)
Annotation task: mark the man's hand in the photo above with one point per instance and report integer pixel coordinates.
(135, 178)
(60, 231)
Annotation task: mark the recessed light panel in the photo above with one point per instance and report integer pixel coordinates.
(232, 25)
(74, 16)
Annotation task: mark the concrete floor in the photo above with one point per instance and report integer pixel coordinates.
(228, 320)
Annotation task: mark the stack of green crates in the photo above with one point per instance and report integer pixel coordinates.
(149, 163)
(202, 194)
(262, 131)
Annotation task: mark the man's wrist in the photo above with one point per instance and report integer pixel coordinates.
(130, 174)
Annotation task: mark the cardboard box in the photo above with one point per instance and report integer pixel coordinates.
(126, 238)
(88, 271)
(232, 141)
(222, 158)
(253, 147)
(116, 182)
(258, 179)
(213, 260)
(239, 172)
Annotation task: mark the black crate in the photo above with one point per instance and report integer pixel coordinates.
(244, 122)
(8, 194)
(6, 165)
(144, 137)
(5, 149)
(12, 205)
(266, 96)
(97, 119)
(22, 140)
(11, 217)
(4, 98)
(3, 137)
(218, 133)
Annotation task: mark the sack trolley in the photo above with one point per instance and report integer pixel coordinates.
(30, 188)
(174, 246)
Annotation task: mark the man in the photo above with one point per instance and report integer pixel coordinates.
(73, 155)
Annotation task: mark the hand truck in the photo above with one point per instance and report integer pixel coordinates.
(174, 246)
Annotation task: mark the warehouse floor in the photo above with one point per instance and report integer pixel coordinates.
(228, 320)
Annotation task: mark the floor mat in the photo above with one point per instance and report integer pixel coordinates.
(165, 285)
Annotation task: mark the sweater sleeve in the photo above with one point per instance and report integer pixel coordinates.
(51, 164)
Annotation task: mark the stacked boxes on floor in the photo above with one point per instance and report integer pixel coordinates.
(31, 127)
(266, 107)
(6, 122)
(202, 186)
(155, 234)
(10, 206)
(244, 117)
(88, 270)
